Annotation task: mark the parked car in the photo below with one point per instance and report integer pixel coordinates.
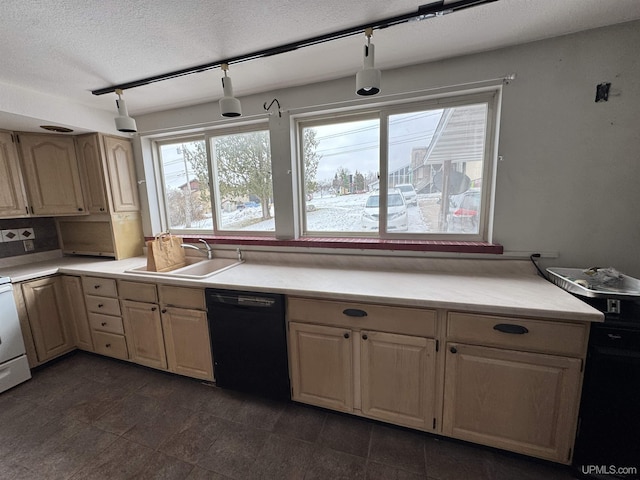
(410, 195)
(466, 213)
(397, 218)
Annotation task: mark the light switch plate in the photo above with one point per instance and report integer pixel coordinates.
(10, 235)
(26, 234)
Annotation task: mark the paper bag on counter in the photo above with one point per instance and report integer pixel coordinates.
(164, 253)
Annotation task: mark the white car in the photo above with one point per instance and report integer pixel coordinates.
(397, 218)
(410, 195)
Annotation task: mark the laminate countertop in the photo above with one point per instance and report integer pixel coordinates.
(502, 291)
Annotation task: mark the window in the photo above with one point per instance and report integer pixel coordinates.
(410, 171)
(242, 180)
(185, 181)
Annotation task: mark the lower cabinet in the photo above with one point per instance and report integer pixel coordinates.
(519, 401)
(44, 301)
(77, 312)
(143, 330)
(355, 369)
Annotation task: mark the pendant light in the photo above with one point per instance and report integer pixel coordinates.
(368, 79)
(229, 105)
(124, 123)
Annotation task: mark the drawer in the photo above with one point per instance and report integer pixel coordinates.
(182, 297)
(110, 344)
(537, 335)
(137, 291)
(106, 323)
(108, 306)
(402, 320)
(104, 287)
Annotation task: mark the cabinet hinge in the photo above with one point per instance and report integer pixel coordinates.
(434, 423)
(437, 346)
(581, 366)
(569, 456)
(17, 140)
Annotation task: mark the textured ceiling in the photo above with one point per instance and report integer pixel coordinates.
(67, 48)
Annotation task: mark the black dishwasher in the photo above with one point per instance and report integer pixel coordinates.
(248, 341)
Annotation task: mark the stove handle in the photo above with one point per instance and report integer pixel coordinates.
(511, 328)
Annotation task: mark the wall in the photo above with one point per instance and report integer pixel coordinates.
(45, 236)
(569, 176)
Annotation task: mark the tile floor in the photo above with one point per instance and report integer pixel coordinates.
(89, 417)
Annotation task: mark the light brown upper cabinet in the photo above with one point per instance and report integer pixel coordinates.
(108, 169)
(50, 169)
(13, 202)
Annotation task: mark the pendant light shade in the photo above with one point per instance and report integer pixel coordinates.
(368, 79)
(124, 123)
(229, 105)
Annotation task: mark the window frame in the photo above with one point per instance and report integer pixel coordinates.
(490, 97)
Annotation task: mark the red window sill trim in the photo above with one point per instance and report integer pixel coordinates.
(447, 246)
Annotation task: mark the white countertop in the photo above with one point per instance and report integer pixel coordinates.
(523, 294)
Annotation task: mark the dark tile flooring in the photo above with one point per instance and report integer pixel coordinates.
(89, 417)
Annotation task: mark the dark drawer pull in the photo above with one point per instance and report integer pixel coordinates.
(354, 312)
(104, 324)
(100, 305)
(511, 328)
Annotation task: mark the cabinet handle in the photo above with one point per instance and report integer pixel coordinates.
(100, 305)
(31, 207)
(453, 350)
(164, 310)
(104, 324)
(153, 309)
(354, 312)
(80, 209)
(511, 328)
(96, 286)
(346, 335)
(364, 337)
(102, 209)
(108, 345)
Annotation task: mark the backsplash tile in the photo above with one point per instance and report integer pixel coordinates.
(41, 230)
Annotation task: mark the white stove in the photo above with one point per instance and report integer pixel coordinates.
(14, 367)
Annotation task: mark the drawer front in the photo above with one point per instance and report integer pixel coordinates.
(105, 305)
(182, 297)
(106, 323)
(110, 344)
(104, 287)
(361, 316)
(137, 291)
(517, 333)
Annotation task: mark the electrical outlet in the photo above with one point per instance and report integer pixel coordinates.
(28, 245)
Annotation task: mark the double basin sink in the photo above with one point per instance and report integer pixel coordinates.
(195, 269)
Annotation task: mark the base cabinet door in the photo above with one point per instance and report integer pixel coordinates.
(44, 301)
(186, 340)
(143, 332)
(523, 402)
(321, 361)
(77, 312)
(398, 378)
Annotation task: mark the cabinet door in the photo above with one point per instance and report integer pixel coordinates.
(524, 402)
(143, 331)
(12, 196)
(122, 174)
(92, 172)
(321, 363)
(398, 378)
(186, 339)
(77, 313)
(44, 301)
(51, 174)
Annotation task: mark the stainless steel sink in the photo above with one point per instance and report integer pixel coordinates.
(196, 268)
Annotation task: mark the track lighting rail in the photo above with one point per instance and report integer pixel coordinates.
(426, 11)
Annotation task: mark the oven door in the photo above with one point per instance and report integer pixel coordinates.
(609, 421)
(11, 343)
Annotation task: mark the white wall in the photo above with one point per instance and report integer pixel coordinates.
(569, 179)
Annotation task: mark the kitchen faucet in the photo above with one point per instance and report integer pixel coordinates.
(209, 251)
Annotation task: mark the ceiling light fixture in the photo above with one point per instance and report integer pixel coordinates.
(229, 105)
(429, 10)
(368, 79)
(124, 123)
